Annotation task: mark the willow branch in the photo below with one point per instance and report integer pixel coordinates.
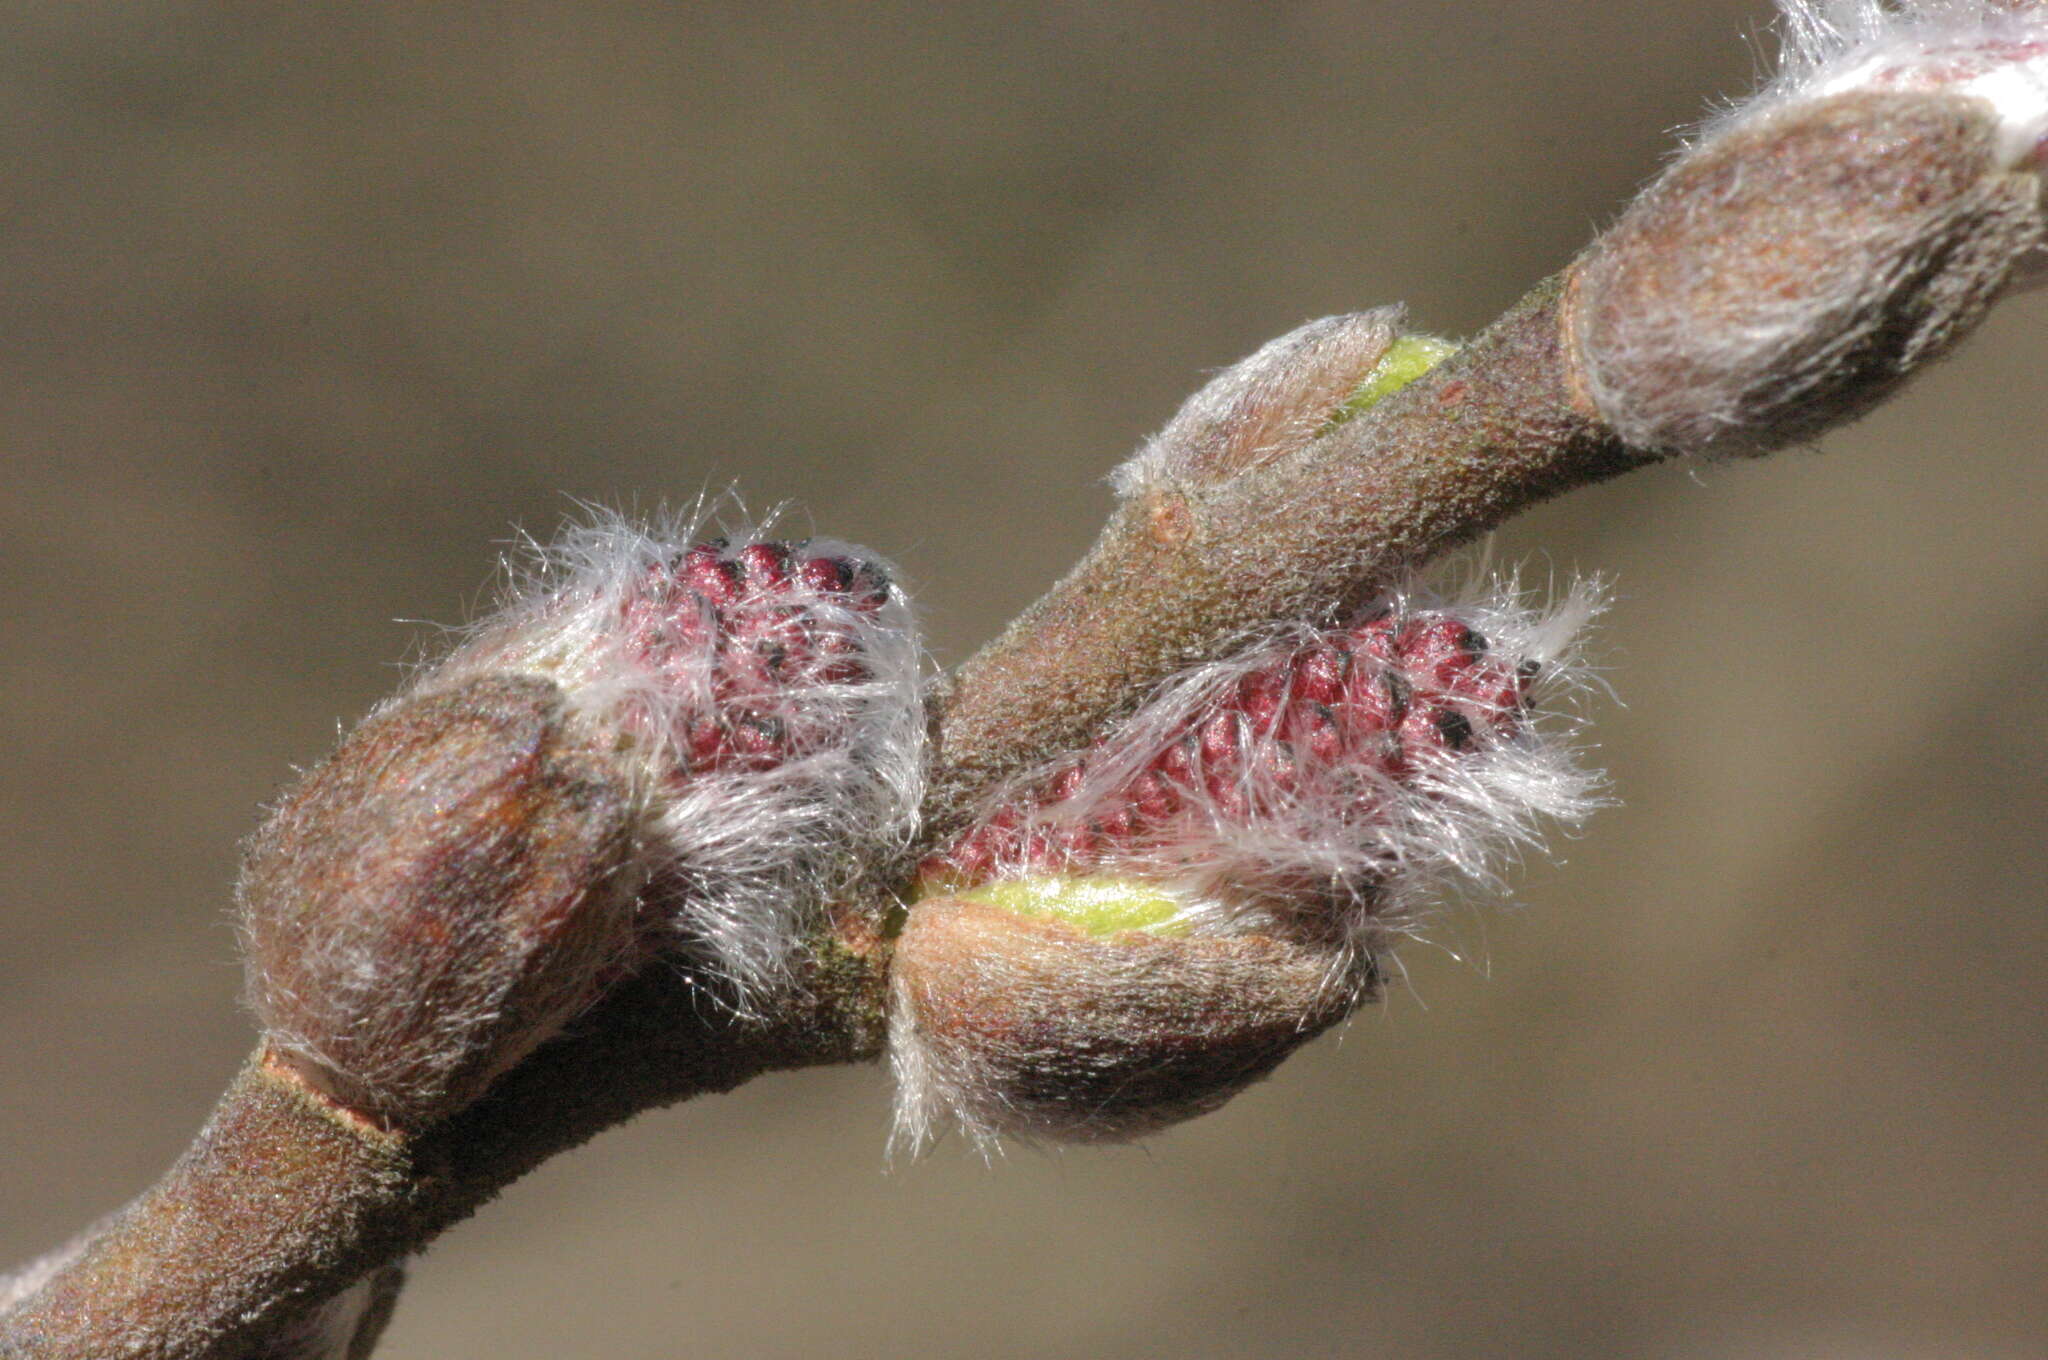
(1184, 568)
(1784, 280)
(1784, 276)
(285, 1198)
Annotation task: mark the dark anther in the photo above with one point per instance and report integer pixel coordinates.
(1399, 691)
(1455, 727)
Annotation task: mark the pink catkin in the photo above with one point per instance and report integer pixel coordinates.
(752, 618)
(771, 695)
(1306, 770)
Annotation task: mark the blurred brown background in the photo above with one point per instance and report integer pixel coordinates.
(303, 307)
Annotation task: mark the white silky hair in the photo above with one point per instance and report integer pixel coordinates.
(1977, 48)
(749, 857)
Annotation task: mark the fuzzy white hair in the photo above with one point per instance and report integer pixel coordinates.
(18, 1284)
(746, 856)
(1979, 48)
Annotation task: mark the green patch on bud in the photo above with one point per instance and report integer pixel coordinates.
(1096, 904)
(1405, 360)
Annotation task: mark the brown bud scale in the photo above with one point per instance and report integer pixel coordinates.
(435, 898)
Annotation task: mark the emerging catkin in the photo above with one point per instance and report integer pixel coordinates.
(1131, 934)
(771, 696)
(660, 747)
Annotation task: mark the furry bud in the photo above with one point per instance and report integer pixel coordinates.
(1279, 399)
(654, 749)
(438, 896)
(1821, 242)
(1032, 1025)
(1131, 935)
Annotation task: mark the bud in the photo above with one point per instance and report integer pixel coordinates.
(652, 750)
(1281, 398)
(1819, 243)
(1131, 935)
(438, 896)
(345, 1327)
(1031, 1025)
